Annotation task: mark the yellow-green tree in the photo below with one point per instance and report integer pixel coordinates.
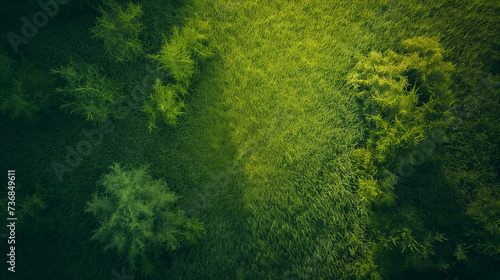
(178, 57)
(165, 103)
(26, 92)
(406, 97)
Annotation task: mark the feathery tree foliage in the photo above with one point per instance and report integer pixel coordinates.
(406, 97)
(91, 94)
(178, 57)
(119, 27)
(28, 206)
(138, 218)
(166, 103)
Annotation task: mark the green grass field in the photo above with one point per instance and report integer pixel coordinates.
(264, 152)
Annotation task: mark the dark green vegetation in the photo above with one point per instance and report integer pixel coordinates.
(119, 27)
(312, 140)
(26, 92)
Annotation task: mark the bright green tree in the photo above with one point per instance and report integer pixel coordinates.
(178, 57)
(165, 103)
(179, 54)
(138, 218)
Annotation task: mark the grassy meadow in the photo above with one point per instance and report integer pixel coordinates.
(263, 149)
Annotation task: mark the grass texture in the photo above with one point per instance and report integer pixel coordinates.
(264, 153)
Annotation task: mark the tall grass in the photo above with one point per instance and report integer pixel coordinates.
(263, 154)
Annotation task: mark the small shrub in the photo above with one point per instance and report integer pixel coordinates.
(26, 92)
(29, 205)
(194, 36)
(165, 103)
(120, 29)
(176, 59)
(406, 97)
(138, 218)
(17, 103)
(178, 55)
(6, 67)
(91, 94)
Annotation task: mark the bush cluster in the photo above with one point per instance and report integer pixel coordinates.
(407, 98)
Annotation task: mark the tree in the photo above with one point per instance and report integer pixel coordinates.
(166, 103)
(406, 97)
(120, 29)
(90, 94)
(137, 217)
